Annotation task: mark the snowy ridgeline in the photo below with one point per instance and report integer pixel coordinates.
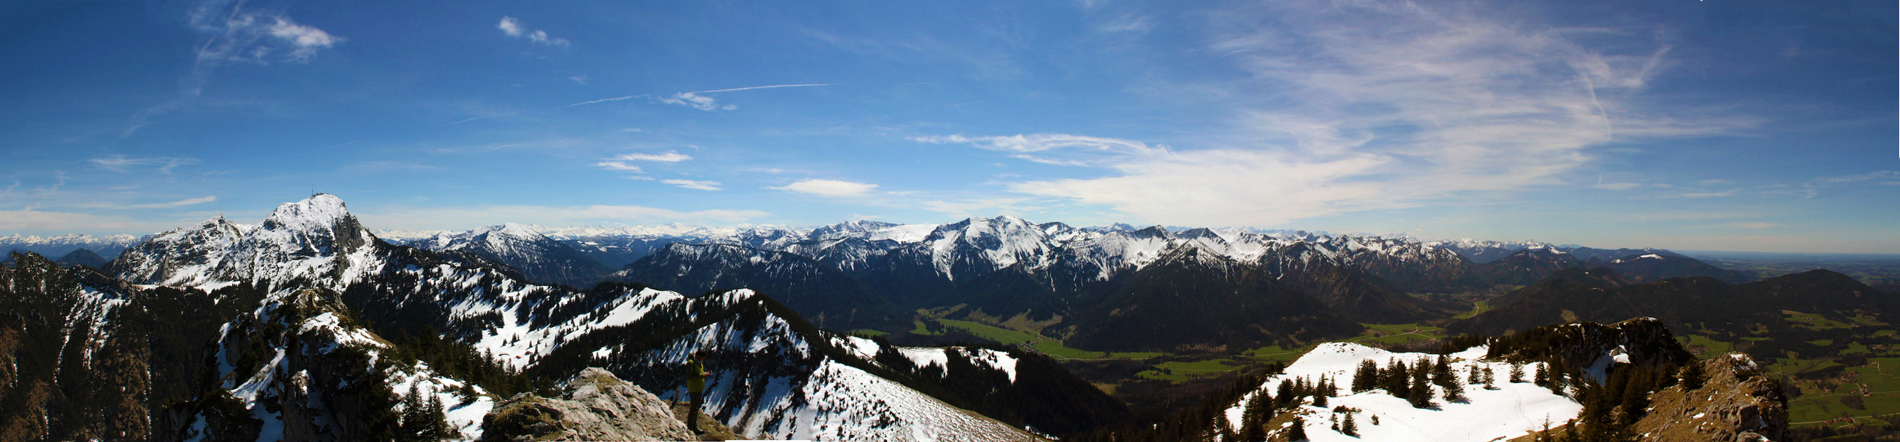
(1510, 410)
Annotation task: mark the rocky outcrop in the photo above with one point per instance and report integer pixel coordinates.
(1735, 403)
(594, 405)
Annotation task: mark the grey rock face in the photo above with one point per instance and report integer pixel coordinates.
(594, 405)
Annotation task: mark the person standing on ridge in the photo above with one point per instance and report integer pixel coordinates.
(696, 386)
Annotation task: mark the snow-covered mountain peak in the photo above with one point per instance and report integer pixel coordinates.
(320, 211)
(848, 229)
(512, 229)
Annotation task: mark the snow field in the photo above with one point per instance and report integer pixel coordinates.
(1514, 409)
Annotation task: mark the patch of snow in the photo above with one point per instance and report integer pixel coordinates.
(995, 359)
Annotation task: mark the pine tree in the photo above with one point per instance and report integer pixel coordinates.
(1542, 378)
(1253, 422)
(1692, 376)
(1397, 380)
(1456, 391)
(1297, 431)
(1420, 394)
(1366, 378)
(1319, 400)
(423, 418)
(1517, 373)
(1284, 396)
(1441, 373)
(1473, 377)
(1490, 379)
(1347, 427)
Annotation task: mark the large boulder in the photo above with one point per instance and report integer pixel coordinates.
(594, 405)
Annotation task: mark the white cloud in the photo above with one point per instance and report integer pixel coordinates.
(1753, 225)
(438, 218)
(579, 79)
(235, 34)
(304, 40)
(695, 185)
(668, 157)
(833, 188)
(121, 163)
(159, 205)
(1617, 186)
(697, 100)
(1355, 106)
(513, 28)
(510, 26)
(693, 100)
(618, 166)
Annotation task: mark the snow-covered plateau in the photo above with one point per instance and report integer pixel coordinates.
(1509, 411)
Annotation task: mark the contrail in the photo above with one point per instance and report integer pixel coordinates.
(775, 86)
(604, 100)
(478, 118)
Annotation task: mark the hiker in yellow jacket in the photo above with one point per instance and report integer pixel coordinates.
(696, 386)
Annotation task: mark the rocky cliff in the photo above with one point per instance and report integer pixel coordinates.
(1735, 403)
(594, 405)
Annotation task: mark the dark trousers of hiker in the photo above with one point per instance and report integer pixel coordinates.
(692, 413)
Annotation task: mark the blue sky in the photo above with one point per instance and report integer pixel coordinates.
(1702, 125)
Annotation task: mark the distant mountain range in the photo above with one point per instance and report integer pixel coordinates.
(865, 272)
(309, 326)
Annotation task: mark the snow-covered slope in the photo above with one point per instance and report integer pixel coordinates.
(538, 257)
(1511, 410)
(301, 369)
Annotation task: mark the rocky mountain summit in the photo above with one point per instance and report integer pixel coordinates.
(1735, 403)
(593, 405)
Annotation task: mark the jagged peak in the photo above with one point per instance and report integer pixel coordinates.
(320, 211)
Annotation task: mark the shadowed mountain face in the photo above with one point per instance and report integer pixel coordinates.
(1603, 295)
(82, 257)
(1654, 266)
(1359, 297)
(1194, 300)
(1526, 266)
(816, 291)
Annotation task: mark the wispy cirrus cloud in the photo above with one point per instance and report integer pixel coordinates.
(619, 166)
(239, 34)
(235, 34)
(121, 163)
(1375, 105)
(693, 184)
(1884, 177)
(157, 205)
(668, 157)
(697, 99)
(832, 188)
(512, 27)
(620, 163)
